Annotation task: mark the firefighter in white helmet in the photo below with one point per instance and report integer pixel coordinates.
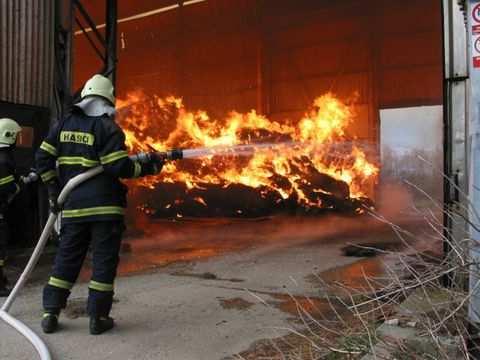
(93, 213)
(9, 187)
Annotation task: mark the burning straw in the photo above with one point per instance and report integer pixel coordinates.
(308, 162)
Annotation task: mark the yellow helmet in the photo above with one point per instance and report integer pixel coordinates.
(99, 85)
(9, 130)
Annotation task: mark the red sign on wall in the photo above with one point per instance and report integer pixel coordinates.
(476, 13)
(476, 36)
(476, 61)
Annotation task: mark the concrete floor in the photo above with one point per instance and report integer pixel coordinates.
(205, 309)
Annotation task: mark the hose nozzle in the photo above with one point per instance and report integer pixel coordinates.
(174, 154)
(169, 155)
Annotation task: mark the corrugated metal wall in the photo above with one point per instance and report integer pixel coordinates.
(27, 51)
(278, 55)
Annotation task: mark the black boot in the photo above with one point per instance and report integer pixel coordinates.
(99, 325)
(49, 322)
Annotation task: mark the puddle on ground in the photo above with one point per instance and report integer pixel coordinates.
(300, 305)
(360, 275)
(235, 303)
(205, 276)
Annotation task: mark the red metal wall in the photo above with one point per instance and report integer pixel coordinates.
(278, 55)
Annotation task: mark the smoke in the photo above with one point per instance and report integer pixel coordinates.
(393, 203)
(394, 200)
(157, 242)
(160, 242)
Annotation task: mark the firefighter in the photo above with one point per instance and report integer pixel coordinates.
(9, 187)
(93, 213)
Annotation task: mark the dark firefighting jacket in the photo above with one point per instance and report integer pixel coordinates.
(8, 178)
(77, 144)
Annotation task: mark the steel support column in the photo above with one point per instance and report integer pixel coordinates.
(455, 126)
(111, 40)
(473, 20)
(70, 12)
(63, 55)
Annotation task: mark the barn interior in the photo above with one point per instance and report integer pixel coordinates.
(325, 95)
(330, 87)
(315, 134)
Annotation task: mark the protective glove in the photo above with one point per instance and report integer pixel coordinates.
(30, 178)
(53, 192)
(153, 164)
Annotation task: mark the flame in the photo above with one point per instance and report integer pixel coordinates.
(200, 200)
(306, 150)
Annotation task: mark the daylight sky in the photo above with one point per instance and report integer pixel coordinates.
(412, 128)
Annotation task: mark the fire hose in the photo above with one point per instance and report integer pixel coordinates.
(24, 330)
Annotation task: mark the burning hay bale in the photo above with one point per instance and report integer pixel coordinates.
(236, 200)
(303, 167)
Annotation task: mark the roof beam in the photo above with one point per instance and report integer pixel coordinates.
(143, 15)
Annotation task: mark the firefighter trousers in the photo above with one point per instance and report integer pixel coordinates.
(4, 238)
(104, 238)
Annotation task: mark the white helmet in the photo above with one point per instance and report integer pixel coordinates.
(99, 85)
(9, 130)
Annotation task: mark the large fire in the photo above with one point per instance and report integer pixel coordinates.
(312, 163)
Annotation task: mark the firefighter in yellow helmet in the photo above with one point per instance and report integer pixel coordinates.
(93, 213)
(9, 187)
